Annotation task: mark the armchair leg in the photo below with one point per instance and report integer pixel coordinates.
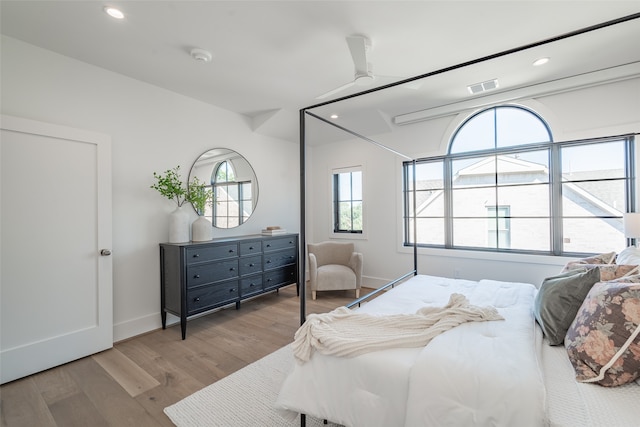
(313, 295)
(357, 293)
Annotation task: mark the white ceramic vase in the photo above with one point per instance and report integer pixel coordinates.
(201, 230)
(179, 225)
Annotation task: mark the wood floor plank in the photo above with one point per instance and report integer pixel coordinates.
(129, 375)
(176, 382)
(204, 366)
(77, 410)
(55, 384)
(21, 405)
(107, 396)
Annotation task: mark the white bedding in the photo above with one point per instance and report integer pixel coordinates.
(476, 374)
(574, 404)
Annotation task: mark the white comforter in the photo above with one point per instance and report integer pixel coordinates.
(476, 374)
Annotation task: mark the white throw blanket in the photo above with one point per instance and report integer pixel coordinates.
(343, 332)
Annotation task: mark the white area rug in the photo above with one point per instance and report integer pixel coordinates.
(243, 399)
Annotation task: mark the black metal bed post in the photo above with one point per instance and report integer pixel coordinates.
(415, 221)
(303, 240)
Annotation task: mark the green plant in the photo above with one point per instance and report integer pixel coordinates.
(170, 186)
(199, 195)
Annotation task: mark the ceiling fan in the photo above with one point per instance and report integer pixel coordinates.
(359, 46)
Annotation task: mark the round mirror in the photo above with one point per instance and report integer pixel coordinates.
(233, 183)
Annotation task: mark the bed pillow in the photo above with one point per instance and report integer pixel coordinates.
(559, 299)
(629, 256)
(608, 272)
(606, 258)
(603, 342)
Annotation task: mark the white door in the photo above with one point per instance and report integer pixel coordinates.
(55, 215)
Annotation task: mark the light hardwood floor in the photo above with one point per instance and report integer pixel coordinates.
(130, 384)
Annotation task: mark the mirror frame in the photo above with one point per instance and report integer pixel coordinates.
(209, 161)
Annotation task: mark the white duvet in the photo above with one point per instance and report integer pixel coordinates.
(476, 374)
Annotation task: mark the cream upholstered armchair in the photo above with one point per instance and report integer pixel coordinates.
(334, 266)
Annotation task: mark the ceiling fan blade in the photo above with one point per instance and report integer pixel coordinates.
(336, 90)
(358, 48)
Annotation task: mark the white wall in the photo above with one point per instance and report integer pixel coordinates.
(152, 130)
(605, 110)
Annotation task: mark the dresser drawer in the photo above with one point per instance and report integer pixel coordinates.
(250, 248)
(212, 296)
(249, 265)
(211, 272)
(279, 259)
(208, 253)
(251, 285)
(279, 277)
(278, 243)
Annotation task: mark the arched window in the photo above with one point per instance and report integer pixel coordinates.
(232, 197)
(505, 185)
(499, 127)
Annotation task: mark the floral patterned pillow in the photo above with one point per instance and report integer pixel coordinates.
(603, 342)
(606, 258)
(608, 272)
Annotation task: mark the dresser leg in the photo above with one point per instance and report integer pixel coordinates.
(164, 319)
(183, 327)
(237, 305)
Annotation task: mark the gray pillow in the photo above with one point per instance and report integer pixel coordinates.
(559, 299)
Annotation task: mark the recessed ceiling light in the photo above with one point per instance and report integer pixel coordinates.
(540, 61)
(113, 12)
(334, 116)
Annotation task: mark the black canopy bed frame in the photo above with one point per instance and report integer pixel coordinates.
(308, 112)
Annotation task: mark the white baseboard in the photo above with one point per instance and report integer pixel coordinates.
(140, 325)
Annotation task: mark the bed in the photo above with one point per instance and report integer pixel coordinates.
(502, 373)
(479, 373)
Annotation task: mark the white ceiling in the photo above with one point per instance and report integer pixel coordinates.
(272, 58)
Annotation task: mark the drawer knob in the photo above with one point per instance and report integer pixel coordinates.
(268, 245)
(197, 299)
(251, 265)
(252, 285)
(268, 280)
(250, 248)
(196, 255)
(268, 261)
(197, 276)
(231, 290)
(231, 269)
(231, 251)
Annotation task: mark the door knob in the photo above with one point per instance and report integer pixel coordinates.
(105, 252)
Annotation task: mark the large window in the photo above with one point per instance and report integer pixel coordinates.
(505, 185)
(347, 200)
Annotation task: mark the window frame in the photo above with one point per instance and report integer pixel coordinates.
(335, 208)
(556, 217)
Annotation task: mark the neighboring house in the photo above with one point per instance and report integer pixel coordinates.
(518, 216)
